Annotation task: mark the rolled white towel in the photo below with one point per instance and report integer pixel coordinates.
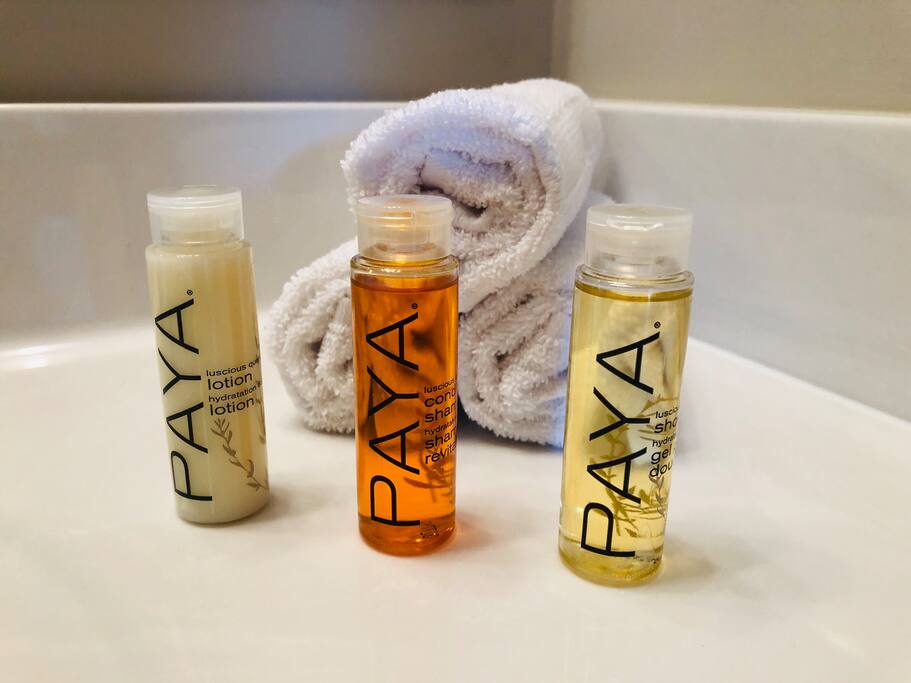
(309, 335)
(516, 160)
(513, 346)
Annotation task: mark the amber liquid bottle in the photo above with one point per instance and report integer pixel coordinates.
(404, 295)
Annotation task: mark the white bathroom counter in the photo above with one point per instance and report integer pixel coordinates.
(788, 556)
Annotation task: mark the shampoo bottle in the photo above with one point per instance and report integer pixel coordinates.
(200, 273)
(631, 309)
(404, 295)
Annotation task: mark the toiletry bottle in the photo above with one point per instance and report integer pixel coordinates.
(404, 295)
(631, 309)
(201, 285)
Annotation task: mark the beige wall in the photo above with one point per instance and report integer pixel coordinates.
(148, 50)
(837, 54)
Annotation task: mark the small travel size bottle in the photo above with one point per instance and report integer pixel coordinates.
(404, 296)
(200, 272)
(631, 310)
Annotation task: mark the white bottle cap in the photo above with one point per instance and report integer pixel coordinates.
(637, 241)
(404, 228)
(196, 214)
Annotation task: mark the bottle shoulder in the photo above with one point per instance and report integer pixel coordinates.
(445, 268)
(390, 277)
(167, 249)
(677, 286)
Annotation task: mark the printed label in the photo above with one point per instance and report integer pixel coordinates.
(214, 415)
(170, 324)
(405, 372)
(623, 399)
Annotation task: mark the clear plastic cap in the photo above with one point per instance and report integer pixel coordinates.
(196, 214)
(404, 228)
(637, 241)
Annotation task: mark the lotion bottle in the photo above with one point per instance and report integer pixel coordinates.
(200, 272)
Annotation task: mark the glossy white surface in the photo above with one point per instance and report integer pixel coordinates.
(788, 558)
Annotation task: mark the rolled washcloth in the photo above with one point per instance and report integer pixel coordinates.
(309, 334)
(513, 346)
(516, 160)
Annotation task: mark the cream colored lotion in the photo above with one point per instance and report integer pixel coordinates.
(200, 272)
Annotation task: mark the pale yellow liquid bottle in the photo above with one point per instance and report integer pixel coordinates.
(204, 307)
(631, 310)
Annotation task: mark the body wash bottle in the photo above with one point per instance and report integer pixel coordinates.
(201, 285)
(404, 295)
(631, 311)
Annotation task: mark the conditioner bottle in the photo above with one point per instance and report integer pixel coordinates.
(404, 294)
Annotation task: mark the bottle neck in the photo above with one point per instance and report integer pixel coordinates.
(633, 266)
(667, 282)
(195, 237)
(381, 258)
(447, 266)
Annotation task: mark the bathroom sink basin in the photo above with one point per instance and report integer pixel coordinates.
(788, 554)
